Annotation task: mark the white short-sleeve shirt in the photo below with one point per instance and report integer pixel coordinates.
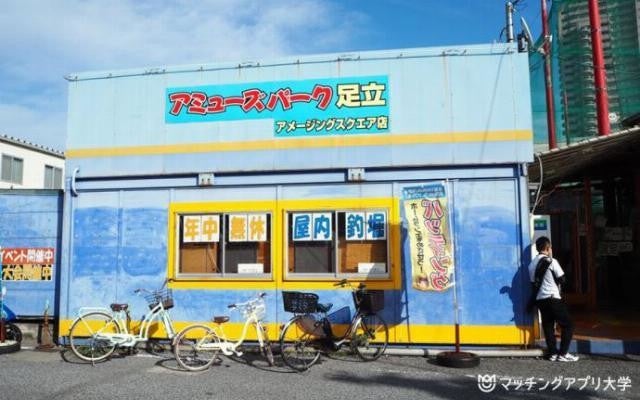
(549, 287)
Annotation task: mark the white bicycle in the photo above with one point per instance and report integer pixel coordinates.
(98, 331)
(196, 347)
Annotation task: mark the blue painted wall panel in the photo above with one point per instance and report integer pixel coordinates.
(31, 219)
(487, 237)
(487, 254)
(123, 247)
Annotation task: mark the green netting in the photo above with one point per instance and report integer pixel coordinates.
(572, 68)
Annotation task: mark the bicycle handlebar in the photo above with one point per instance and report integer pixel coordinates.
(143, 290)
(247, 303)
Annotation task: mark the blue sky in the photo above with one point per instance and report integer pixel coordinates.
(42, 41)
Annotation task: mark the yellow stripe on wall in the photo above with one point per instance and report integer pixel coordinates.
(302, 143)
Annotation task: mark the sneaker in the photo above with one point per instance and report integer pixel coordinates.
(553, 357)
(568, 358)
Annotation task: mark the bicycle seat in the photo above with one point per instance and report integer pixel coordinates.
(323, 308)
(119, 306)
(220, 319)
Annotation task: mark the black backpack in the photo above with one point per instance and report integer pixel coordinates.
(538, 277)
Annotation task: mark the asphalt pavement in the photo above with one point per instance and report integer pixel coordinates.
(31, 374)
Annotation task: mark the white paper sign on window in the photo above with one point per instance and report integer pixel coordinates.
(301, 225)
(191, 228)
(237, 227)
(354, 225)
(200, 228)
(257, 227)
(250, 268)
(376, 225)
(322, 226)
(372, 268)
(210, 228)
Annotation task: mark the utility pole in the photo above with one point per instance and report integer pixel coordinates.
(600, 78)
(551, 121)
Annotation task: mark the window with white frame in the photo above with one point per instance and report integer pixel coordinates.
(11, 169)
(337, 242)
(52, 177)
(224, 244)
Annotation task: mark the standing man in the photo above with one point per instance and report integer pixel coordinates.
(548, 300)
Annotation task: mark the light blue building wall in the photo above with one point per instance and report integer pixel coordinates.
(457, 115)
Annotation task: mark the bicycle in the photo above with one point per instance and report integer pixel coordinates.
(197, 346)
(11, 331)
(305, 336)
(97, 332)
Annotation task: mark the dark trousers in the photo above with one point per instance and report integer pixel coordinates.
(555, 311)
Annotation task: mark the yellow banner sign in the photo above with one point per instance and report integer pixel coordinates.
(27, 272)
(426, 211)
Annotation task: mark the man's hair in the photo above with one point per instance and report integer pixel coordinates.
(542, 243)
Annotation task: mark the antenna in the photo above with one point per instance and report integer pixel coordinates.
(527, 32)
(509, 17)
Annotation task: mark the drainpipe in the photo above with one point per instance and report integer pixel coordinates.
(548, 87)
(599, 73)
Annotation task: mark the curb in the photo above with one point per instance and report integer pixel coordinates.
(485, 353)
(602, 346)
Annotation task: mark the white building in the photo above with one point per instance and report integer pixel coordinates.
(29, 166)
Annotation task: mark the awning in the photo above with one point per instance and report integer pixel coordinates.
(596, 157)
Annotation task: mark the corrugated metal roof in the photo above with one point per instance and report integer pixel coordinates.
(588, 157)
(31, 146)
(458, 50)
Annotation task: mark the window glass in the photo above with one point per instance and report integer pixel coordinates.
(354, 241)
(225, 244)
(362, 242)
(11, 169)
(52, 177)
(6, 168)
(16, 171)
(57, 178)
(48, 177)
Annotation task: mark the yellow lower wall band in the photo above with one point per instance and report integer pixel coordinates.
(402, 334)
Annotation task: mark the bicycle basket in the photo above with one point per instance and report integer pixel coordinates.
(165, 296)
(299, 302)
(371, 301)
(256, 307)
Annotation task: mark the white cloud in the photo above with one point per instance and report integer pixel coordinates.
(43, 41)
(34, 125)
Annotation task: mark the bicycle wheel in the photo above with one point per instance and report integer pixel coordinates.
(298, 348)
(370, 337)
(85, 336)
(12, 332)
(196, 347)
(266, 350)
